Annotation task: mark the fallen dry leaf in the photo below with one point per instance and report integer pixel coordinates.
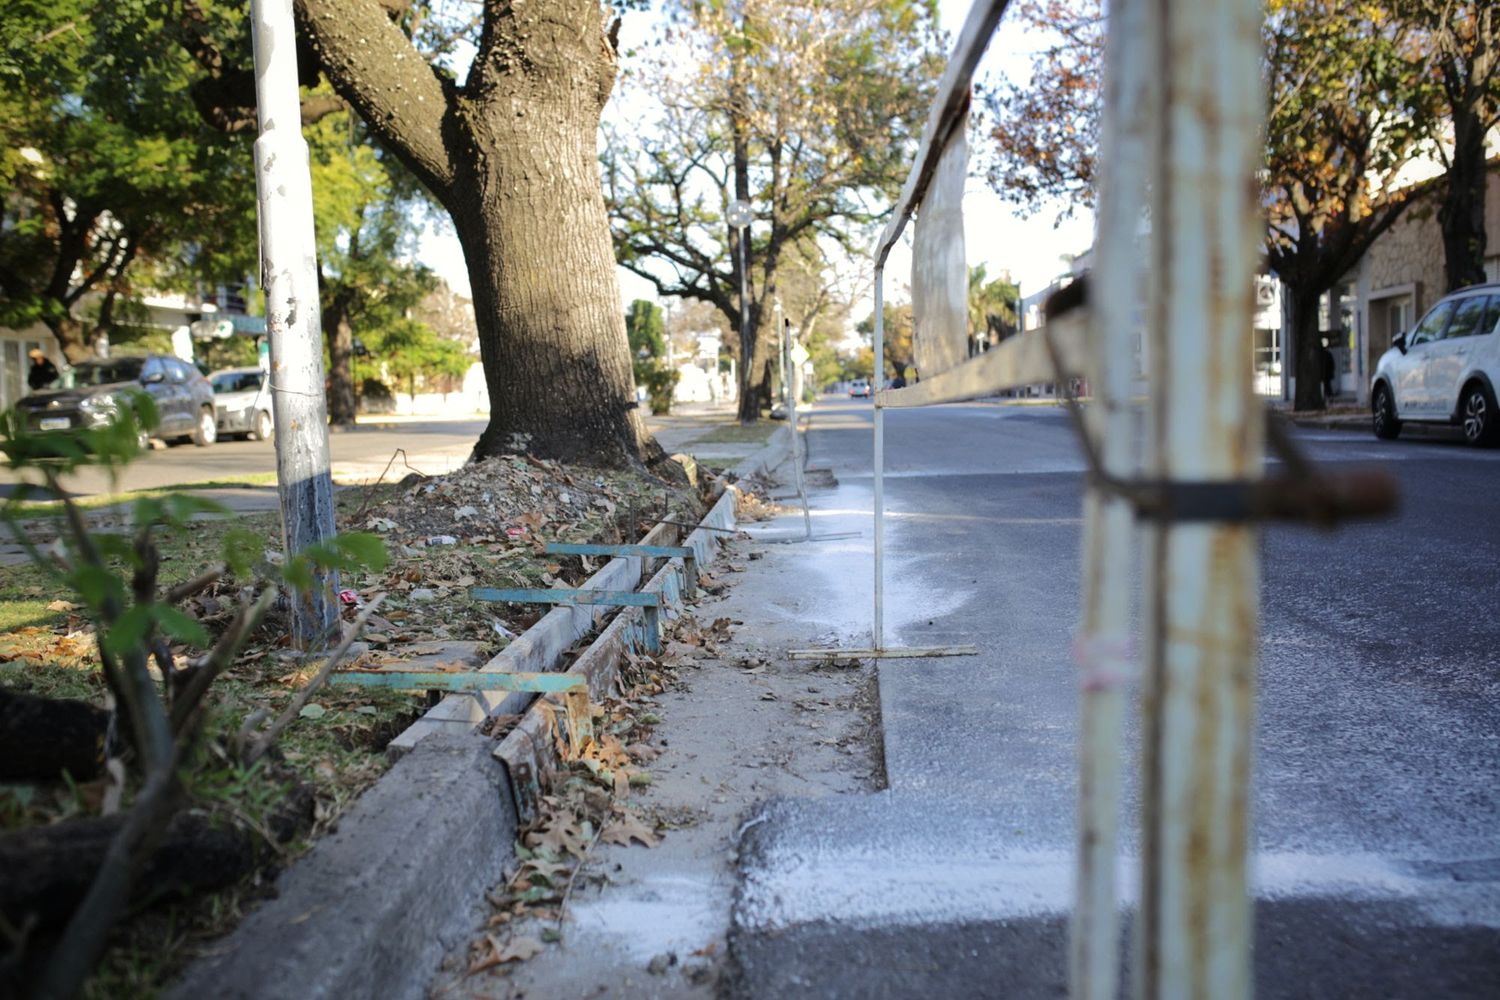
(517, 949)
(63, 606)
(628, 827)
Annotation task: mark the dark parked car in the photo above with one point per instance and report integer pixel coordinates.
(184, 400)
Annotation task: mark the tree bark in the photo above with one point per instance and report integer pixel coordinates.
(342, 402)
(513, 157)
(1307, 361)
(1461, 211)
(546, 299)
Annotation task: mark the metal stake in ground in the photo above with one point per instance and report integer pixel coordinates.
(289, 274)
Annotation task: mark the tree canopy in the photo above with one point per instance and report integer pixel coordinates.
(112, 178)
(806, 109)
(1347, 100)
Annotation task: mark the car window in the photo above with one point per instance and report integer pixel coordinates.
(1491, 316)
(107, 372)
(1467, 317)
(1431, 327)
(236, 382)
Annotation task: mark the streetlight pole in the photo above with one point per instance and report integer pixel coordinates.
(288, 254)
(739, 217)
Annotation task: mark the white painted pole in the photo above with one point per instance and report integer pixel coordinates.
(1202, 596)
(1104, 657)
(789, 367)
(877, 631)
(289, 274)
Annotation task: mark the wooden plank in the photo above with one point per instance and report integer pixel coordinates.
(947, 110)
(1017, 361)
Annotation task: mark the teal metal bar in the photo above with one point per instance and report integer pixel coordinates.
(613, 598)
(415, 680)
(591, 549)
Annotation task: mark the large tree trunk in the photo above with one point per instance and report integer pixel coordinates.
(1461, 212)
(71, 336)
(546, 298)
(513, 156)
(1307, 359)
(342, 403)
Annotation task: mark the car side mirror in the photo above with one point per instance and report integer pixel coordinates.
(1399, 342)
(153, 378)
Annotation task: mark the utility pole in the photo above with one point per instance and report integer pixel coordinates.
(283, 182)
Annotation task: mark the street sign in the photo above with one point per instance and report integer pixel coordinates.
(799, 354)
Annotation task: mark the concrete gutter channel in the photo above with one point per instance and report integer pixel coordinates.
(374, 906)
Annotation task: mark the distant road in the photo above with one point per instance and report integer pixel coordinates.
(368, 447)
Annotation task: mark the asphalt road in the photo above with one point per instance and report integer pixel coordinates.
(1377, 773)
(364, 449)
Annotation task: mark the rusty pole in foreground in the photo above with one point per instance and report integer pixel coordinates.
(1105, 660)
(1202, 578)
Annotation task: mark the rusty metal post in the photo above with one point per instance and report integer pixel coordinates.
(1202, 578)
(1105, 659)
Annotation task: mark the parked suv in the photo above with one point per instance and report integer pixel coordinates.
(184, 401)
(1443, 370)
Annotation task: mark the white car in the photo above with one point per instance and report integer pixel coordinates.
(1443, 370)
(242, 402)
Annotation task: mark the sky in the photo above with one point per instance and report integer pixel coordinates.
(996, 234)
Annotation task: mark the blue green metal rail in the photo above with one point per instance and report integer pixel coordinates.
(649, 603)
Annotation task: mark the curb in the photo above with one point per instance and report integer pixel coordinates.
(776, 450)
(374, 906)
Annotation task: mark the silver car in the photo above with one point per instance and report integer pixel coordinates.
(242, 402)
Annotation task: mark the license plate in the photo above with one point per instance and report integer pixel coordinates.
(55, 423)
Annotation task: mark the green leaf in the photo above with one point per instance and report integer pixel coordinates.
(181, 626)
(243, 548)
(129, 630)
(298, 573)
(366, 550)
(312, 710)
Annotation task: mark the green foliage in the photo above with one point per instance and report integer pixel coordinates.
(810, 106)
(647, 333)
(660, 381)
(992, 305)
(108, 167)
(897, 331)
(410, 351)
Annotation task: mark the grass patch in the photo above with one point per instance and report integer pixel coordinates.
(754, 433)
(28, 508)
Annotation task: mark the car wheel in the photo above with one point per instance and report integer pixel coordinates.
(1384, 407)
(207, 431)
(262, 429)
(1479, 415)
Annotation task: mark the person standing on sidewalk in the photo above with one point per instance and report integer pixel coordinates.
(1326, 357)
(43, 372)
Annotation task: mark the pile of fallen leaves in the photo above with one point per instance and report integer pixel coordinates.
(520, 499)
(590, 801)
